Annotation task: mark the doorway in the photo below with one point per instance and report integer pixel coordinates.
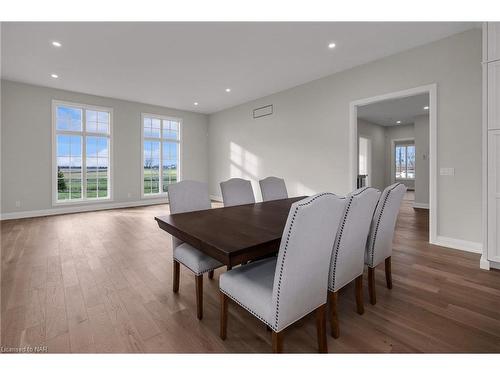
(364, 162)
(393, 139)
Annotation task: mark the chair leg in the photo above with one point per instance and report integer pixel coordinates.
(223, 315)
(359, 295)
(211, 274)
(199, 296)
(334, 319)
(371, 285)
(176, 275)
(277, 338)
(321, 329)
(388, 273)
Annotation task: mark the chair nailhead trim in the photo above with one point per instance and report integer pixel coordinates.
(374, 237)
(197, 273)
(247, 308)
(333, 264)
(275, 326)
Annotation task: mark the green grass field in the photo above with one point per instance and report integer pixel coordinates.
(151, 180)
(97, 183)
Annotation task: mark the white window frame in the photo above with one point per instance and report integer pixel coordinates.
(161, 140)
(84, 134)
(402, 142)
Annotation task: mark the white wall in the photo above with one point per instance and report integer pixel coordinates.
(306, 140)
(422, 160)
(376, 134)
(26, 144)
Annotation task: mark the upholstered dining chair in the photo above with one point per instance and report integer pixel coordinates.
(379, 244)
(281, 290)
(237, 191)
(347, 261)
(186, 196)
(273, 188)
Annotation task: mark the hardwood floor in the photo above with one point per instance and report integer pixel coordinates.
(102, 282)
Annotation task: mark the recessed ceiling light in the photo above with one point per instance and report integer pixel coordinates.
(55, 43)
(54, 75)
(195, 103)
(228, 90)
(331, 45)
(398, 122)
(426, 107)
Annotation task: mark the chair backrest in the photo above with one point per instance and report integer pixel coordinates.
(273, 188)
(186, 196)
(379, 245)
(300, 280)
(348, 256)
(237, 191)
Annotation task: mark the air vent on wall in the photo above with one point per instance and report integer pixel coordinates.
(263, 111)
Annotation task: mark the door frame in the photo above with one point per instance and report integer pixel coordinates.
(430, 89)
(369, 181)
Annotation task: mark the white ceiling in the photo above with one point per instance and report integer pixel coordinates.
(388, 112)
(176, 64)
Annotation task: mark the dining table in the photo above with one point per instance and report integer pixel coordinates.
(232, 235)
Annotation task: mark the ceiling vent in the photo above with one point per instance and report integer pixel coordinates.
(263, 111)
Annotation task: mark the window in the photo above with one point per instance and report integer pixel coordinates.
(82, 141)
(405, 161)
(160, 153)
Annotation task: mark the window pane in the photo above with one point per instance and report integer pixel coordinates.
(97, 121)
(63, 145)
(410, 160)
(62, 188)
(75, 188)
(155, 187)
(91, 187)
(400, 159)
(102, 147)
(103, 117)
(91, 121)
(92, 146)
(63, 163)
(102, 128)
(76, 145)
(151, 127)
(76, 162)
(91, 116)
(147, 185)
(68, 118)
(155, 150)
(102, 188)
(92, 127)
(170, 129)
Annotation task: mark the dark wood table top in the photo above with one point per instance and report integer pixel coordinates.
(232, 234)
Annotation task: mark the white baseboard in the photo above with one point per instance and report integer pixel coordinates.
(495, 265)
(421, 205)
(484, 263)
(216, 198)
(454, 243)
(75, 209)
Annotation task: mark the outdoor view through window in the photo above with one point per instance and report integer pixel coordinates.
(405, 161)
(160, 148)
(82, 153)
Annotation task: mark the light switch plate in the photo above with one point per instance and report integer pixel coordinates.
(447, 171)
